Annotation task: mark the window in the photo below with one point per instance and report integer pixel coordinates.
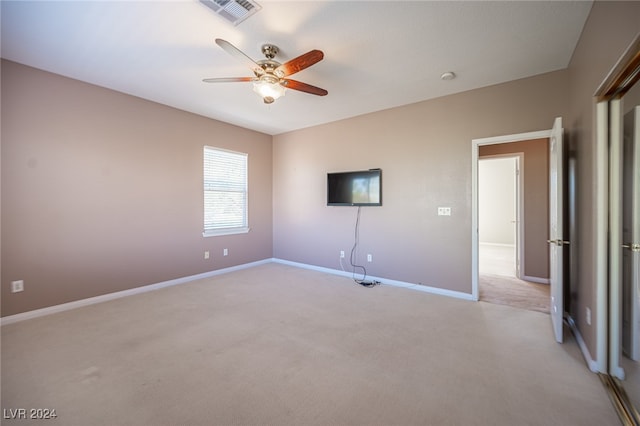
(225, 192)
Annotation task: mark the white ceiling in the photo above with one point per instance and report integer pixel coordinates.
(378, 54)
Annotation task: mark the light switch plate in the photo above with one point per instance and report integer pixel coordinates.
(17, 286)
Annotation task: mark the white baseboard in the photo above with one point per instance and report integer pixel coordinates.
(384, 281)
(117, 295)
(593, 365)
(535, 279)
(497, 244)
(151, 287)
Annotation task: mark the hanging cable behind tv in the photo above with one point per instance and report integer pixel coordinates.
(352, 258)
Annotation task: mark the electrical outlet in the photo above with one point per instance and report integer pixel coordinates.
(17, 286)
(588, 316)
(341, 254)
(225, 252)
(444, 211)
(206, 254)
(369, 258)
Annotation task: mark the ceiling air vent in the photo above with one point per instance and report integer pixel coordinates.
(234, 11)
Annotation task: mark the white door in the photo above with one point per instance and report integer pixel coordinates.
(631, 236)
(556, 240)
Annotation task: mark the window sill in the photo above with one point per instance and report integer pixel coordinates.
(229, 231)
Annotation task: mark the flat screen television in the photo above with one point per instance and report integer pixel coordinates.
(357, 188)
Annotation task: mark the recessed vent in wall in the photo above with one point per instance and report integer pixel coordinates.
(234, 11)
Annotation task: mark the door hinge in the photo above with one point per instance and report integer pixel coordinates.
(559, 242)
(632, 247)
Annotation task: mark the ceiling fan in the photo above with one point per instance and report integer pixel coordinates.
(269, 80)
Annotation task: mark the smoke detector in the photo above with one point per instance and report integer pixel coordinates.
(449, 75)
(234, 11)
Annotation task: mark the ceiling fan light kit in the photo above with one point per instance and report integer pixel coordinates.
(268, 88)
(269, 75)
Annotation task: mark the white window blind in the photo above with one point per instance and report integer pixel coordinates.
(225, 192)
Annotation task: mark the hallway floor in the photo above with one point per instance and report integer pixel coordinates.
(498, 283)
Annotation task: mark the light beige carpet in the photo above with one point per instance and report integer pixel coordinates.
(278, 345)
(511, 291)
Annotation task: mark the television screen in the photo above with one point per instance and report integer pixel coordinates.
(359, 188)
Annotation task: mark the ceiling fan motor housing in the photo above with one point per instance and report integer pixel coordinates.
(269, 66)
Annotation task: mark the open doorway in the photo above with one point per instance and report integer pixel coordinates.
(499, 210)
(512, 221)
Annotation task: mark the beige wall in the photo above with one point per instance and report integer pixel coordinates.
(102, 191)
(536, 201)
(424, 151)
(609, 30)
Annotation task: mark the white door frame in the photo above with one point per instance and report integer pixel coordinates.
(601, 268)
(475, 148)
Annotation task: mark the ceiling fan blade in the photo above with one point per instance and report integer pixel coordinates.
(228, 79)
(238, 54)
(298, 64)
(303, 87)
